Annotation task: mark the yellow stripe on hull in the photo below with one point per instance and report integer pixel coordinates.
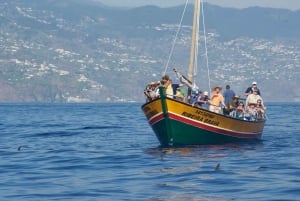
(213, 119)
(200, 116)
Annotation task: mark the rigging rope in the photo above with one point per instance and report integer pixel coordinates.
(176, 36)
(197, 48)
(205, 46)
(196, 53)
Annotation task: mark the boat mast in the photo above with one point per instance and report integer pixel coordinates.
(194, 40)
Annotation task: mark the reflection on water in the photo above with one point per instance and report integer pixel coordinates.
(205, 151)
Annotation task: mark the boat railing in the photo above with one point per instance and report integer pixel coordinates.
(153, 94)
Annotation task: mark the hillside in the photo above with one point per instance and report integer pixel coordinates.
(84, 51)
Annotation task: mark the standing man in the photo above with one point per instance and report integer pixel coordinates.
(252, 88)
(217, 100)
(169, 89)
(228, 95)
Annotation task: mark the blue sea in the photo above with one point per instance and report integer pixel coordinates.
(109, 152)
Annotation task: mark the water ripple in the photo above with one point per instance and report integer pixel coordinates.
(108, 152)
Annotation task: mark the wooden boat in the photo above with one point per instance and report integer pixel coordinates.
(179, 123)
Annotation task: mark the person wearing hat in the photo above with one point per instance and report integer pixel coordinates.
(150, 91)
(217, 100)
(193, 97)
(179, 95)
(250, 89)
(251, 112)
(239, 111)
(234, 103)
(253, 98)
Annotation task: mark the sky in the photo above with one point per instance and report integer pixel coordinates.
(288, 4)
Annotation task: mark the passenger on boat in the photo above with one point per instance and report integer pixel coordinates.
(252, 88)
(203, 100)
(165, 78)
(251, 112)
(147, 92)
(253, 98)
(153, 90)
(167, 83)
(217, 100)
(228, 95)
(169, 89)
(150, 91)
(260, 109)
(239, 112)
(174, 87)
(147, 95)
(234, 102)
(179, 94)
(193, 97)
(156, 90)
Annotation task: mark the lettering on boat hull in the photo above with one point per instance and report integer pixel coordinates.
(202, 116)
(150, 112)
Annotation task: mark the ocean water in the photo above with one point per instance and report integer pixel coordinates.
(108, 152)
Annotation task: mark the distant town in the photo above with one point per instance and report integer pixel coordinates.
(93, 53)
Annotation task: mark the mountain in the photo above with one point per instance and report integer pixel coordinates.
(85, 51)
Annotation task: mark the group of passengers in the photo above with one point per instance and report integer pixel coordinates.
(251, 108)
(172, 90)
(228, 103)
(152, 89)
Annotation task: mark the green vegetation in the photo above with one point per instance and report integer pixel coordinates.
(62, 51)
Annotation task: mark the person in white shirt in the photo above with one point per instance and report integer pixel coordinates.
(253, 98)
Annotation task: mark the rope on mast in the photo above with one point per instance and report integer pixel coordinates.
(175, 38)
(197, 45)
(205, 45)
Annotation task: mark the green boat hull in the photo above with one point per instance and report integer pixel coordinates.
(183, 134)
